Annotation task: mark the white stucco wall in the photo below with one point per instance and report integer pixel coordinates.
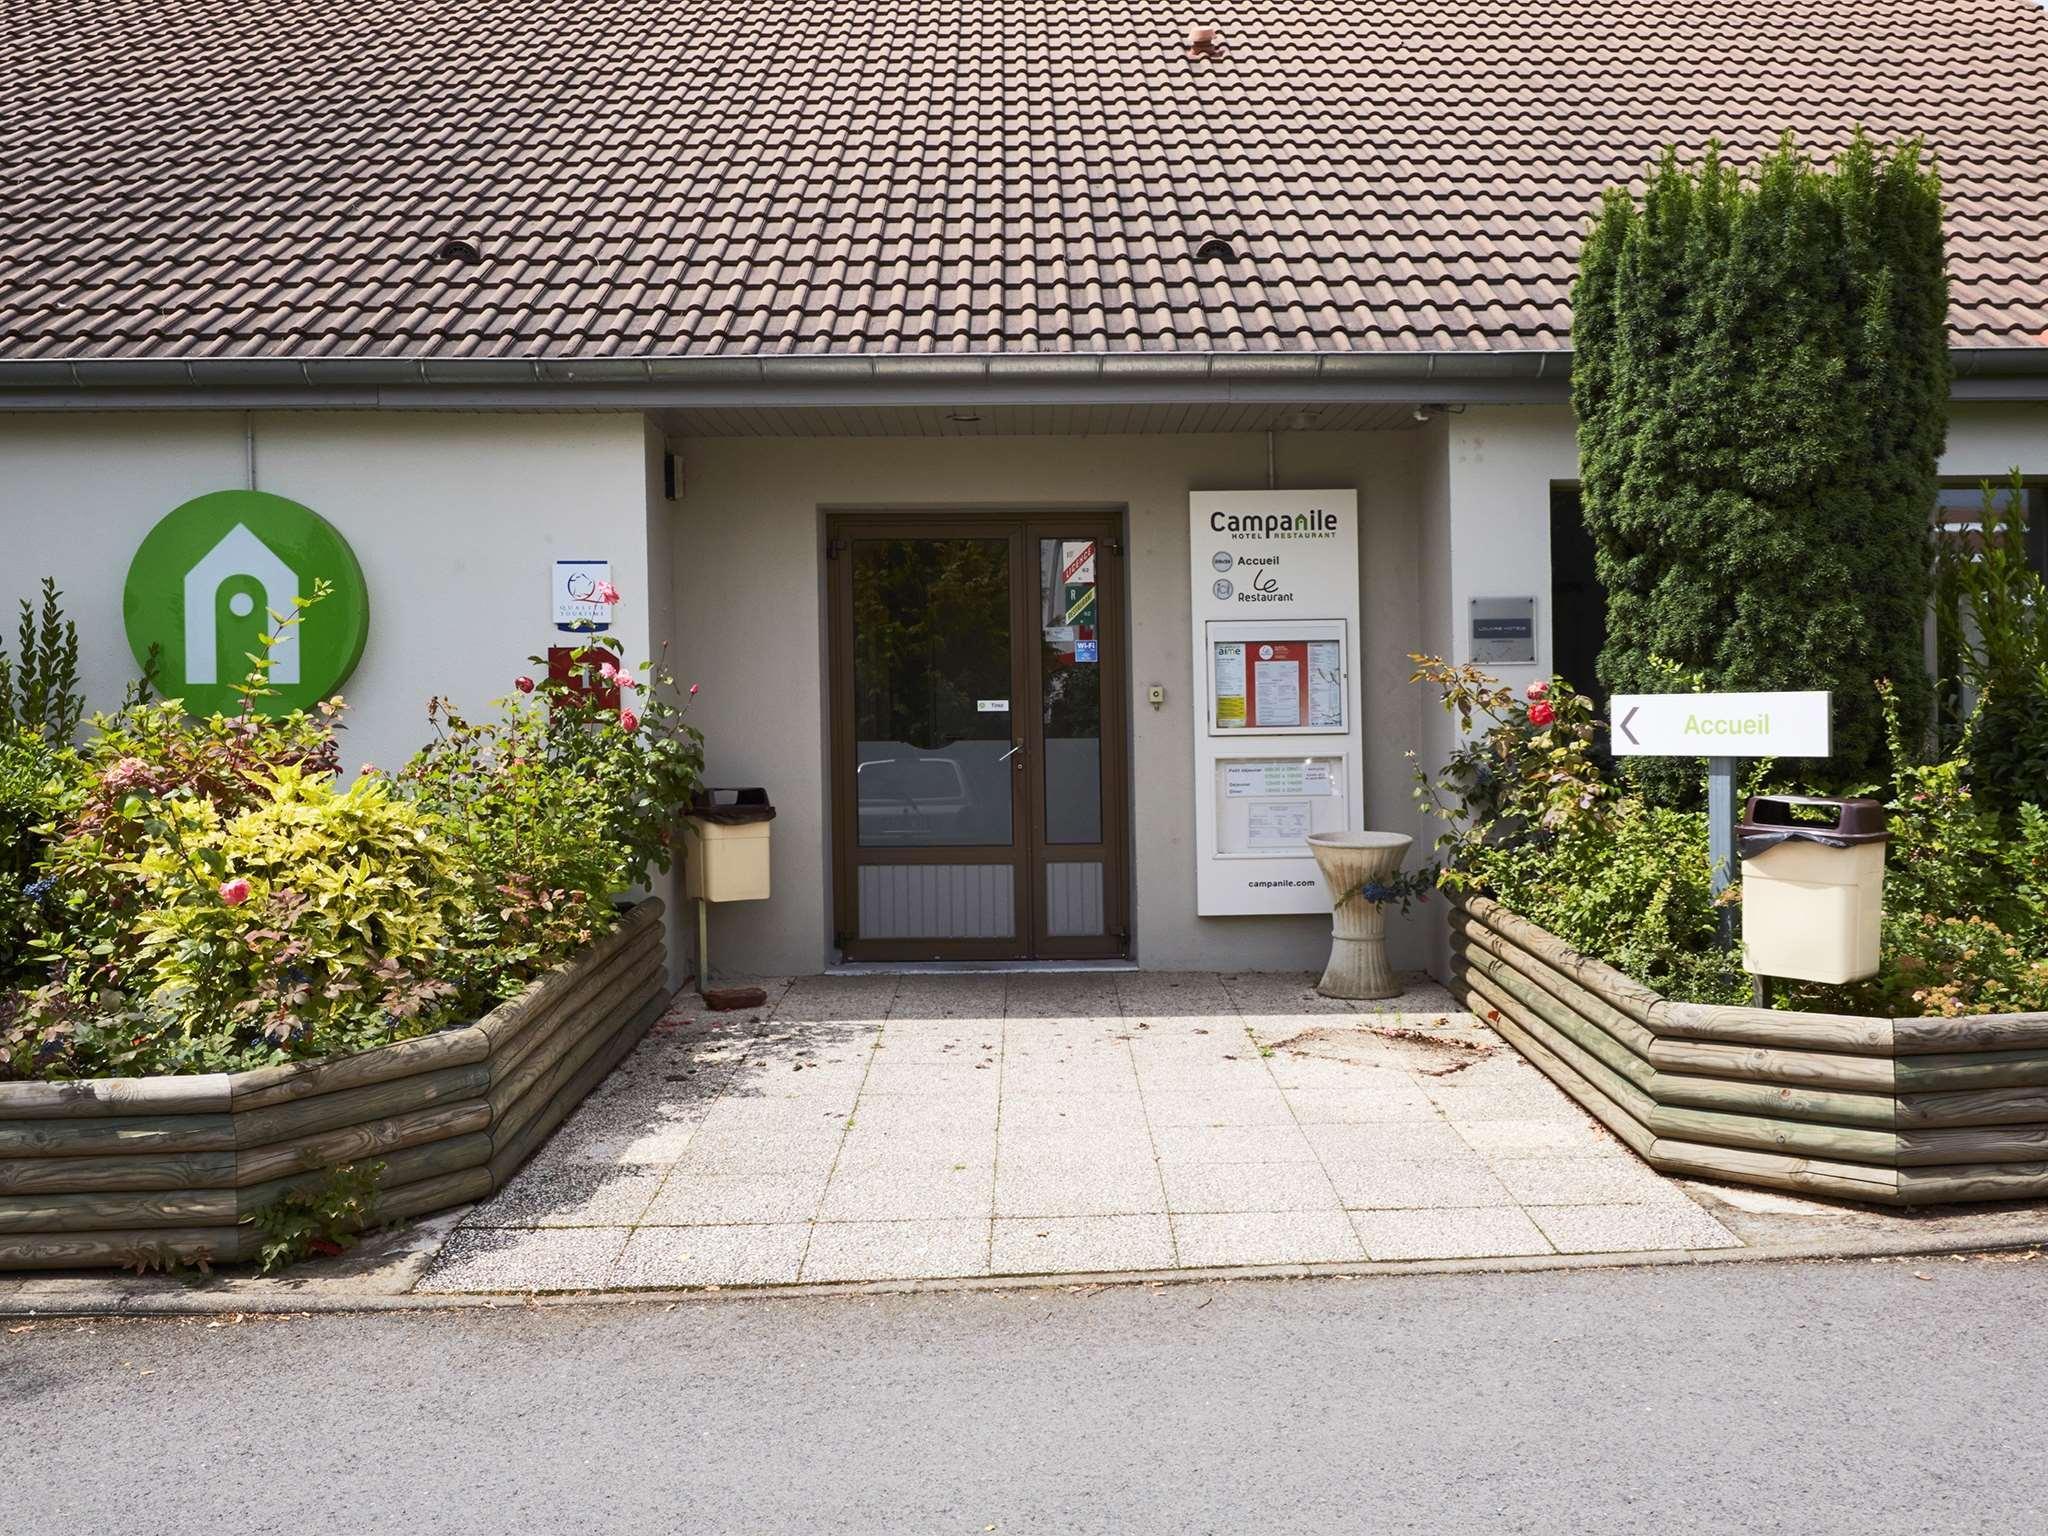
(454, 518)
(751, 627)
(1987, 441)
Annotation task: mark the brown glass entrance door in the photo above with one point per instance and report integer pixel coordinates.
(977, 676)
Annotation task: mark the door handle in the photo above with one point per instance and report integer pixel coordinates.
(1017, 752)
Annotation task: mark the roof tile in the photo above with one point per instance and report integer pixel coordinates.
(998, 175)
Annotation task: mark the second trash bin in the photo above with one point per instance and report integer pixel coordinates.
(1812, 887)
(725, 845)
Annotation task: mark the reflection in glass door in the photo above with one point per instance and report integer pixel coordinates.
(976, 742)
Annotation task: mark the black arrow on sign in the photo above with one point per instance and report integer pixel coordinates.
(1631, 735)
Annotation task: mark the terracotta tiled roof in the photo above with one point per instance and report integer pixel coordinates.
(214, 178)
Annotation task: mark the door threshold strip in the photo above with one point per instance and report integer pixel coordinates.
(973, 967)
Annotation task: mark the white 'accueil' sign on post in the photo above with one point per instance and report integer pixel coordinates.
(1722, 727)
(1722, 724)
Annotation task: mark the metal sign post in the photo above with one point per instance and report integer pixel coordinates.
(1722, 727)
(1721, 836)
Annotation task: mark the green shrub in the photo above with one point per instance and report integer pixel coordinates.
(135, 763)
(1761, 378)
(320, 1218)
(316, 922)
(39, 684)
(1530, 822)
(1992, 608)
(558, 803)
(194, 895)
(29, 768)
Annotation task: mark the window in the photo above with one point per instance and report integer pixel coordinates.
(1960, 513)
(1578, 603)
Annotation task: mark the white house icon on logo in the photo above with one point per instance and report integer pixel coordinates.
(239, 553)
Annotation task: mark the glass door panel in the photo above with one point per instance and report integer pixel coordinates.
(1070, 689)
(931, 693)
(978, 772)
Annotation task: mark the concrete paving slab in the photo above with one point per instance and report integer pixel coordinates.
(1265, 1237)
(720, 1199)
(1079, 1112)
(1471, 1232)
(1055, 1245)
(868, 1146)
(1427, 1183)
(749, 1151)
(796, 1118)
(1209, 1071)
(1629, 1228)
(552, 1192)
(909, 1192)
(1616, 1178)
(897, 1250)
(1346, 1100)
(1557, 1136)
(1398, 1140)
(1087, 1141)
(676, 1257)
(1256, 1103)
(979, 1076)
(1535, 1100)
(909, 1115)
(1078, 1187)
(1205, 1188)
(1233, 1144)
(525, 1259)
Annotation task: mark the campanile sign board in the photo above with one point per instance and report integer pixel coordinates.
(1273, 582)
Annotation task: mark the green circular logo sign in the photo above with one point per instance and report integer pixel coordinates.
(215, 576)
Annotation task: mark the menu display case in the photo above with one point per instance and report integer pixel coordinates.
(1278, 754)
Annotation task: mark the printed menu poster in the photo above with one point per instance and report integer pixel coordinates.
(1277, 686)
(1241, 781)
(1325, 683)
(1229, 685)
(1277, 823)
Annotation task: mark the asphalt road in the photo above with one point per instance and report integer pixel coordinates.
(1738, 1397)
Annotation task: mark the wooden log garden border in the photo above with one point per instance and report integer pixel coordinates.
(1897, 1111)
(145, 1170)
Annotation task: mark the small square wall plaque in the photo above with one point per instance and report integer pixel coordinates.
(1504, 630)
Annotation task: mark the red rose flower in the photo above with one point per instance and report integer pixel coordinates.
(1540, 713)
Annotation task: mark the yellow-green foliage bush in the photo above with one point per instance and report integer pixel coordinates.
(316, 921)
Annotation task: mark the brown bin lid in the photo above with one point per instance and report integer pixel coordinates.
(731, 807)
(1769, 820)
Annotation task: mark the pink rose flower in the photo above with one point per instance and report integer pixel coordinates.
(606, 593)
(626, 680)
(1541, 714)
(523, 684)
(608, 670)
(234, 892)
(1538, 690)
(693, 690)
(628, 721)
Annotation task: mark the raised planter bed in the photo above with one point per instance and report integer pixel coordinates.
(1897, 1111)
(119, 1171)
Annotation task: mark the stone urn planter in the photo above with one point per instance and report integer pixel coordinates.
(1358, 927)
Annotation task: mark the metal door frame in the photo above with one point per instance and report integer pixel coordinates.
(1028, 853)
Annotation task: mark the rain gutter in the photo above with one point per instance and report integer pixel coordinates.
(825, 382)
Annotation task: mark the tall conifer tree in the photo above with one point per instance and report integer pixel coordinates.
(1761, 376)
